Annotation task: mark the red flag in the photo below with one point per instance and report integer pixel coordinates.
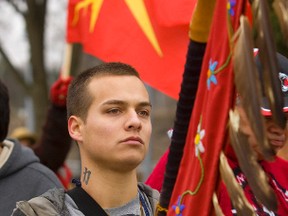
(207, 134)
(150, 35)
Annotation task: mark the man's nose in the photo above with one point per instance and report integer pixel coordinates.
(276, 130)
(133, 121)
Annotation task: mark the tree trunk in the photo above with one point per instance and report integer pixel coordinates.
(35, 23)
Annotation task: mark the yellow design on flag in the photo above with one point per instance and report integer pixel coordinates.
(136, 7)
(84, 4)
(139, 12)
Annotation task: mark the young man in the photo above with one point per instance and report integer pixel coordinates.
(21, 174)
(109, 117)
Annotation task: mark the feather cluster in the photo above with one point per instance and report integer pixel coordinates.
(267, 53)
(248, 85)
(281, 10)
(252, 88)
(256, 177)
(235, 191)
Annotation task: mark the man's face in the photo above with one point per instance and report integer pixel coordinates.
(117, 129)
(277, 137)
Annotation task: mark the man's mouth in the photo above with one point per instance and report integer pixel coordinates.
(133, 140)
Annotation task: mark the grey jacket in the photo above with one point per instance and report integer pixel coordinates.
(57, 202)
(22, 177)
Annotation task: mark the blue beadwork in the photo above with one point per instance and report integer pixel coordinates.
(144, 204)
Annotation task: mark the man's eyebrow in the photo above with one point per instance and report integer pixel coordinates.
(114, 102)
(120, 102)
(144, 104)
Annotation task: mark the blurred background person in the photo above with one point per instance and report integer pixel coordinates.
(24, 136)
(54, 143)
(22, 176)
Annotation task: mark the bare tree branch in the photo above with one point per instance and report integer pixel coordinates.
(14, 71)
(12, 3)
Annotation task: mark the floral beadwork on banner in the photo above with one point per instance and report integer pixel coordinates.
(199, 148)
(230, 7)
(211, 78)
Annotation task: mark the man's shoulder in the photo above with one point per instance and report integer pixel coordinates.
(54, 195)
(51, 202)
(150, 192)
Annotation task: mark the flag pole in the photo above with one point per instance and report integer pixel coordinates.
(194, 57)
(66, 67)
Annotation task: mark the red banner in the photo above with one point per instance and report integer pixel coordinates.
(207, 134)
(151, 35)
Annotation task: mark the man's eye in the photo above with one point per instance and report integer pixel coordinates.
(114, 111)
(144, 113)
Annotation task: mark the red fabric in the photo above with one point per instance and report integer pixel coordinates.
(173, 13)
(248, 13)
(277, 172)
(118, 37)
(65, 176)
(278, 179)
(211, 110)
(155, 180)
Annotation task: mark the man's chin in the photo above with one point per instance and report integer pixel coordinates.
(276, 145)
(128, 164)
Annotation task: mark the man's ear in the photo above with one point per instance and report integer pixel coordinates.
(74, 127)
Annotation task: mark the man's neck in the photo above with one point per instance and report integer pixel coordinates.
(110, 189)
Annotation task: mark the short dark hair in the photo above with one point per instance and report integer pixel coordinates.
(4, 111)
(79, 99)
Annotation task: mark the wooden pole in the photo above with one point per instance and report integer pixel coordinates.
(66, 67)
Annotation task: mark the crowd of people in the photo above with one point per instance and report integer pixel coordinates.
(106, 111)
(112, 127)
